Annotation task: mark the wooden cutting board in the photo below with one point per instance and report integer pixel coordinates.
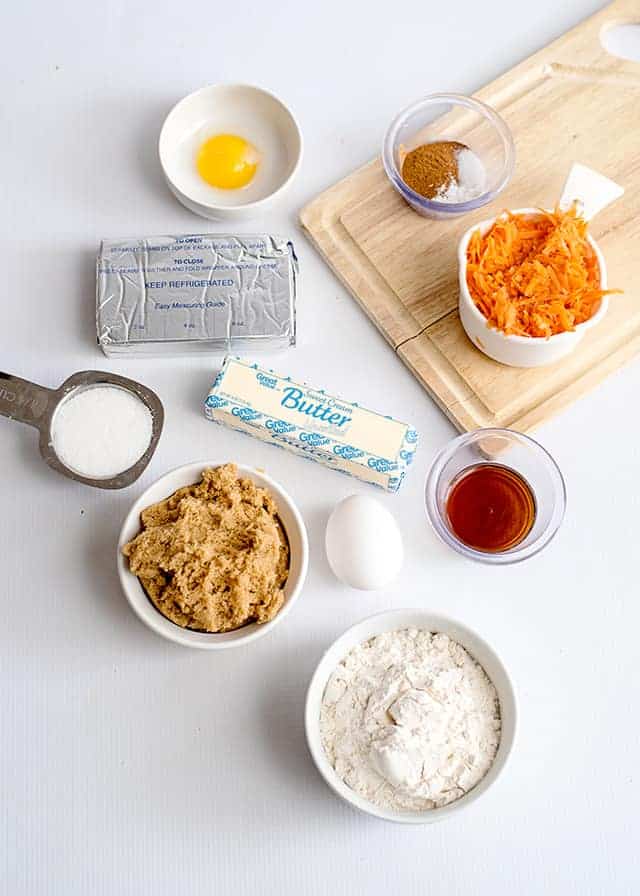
(571, 102)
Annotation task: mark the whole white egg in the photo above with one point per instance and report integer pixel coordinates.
(363, 543)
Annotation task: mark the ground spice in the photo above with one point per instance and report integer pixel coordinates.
(429, 168)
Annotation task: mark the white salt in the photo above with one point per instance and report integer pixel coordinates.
(101, 431)
(471, 182)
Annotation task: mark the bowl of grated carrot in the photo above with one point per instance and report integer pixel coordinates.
(532, 282)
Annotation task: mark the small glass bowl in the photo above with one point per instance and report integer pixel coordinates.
(450, 116)
(510, 449)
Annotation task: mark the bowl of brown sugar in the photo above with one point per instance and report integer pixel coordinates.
(448, 154)
(213, 555)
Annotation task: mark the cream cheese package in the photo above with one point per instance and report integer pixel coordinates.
(204, 292)
(337, 433)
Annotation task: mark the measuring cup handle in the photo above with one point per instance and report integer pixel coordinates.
(23, 401)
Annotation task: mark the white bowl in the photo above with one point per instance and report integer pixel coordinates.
(520, 351)
(393, 620)
(299, 557)
(250, 112)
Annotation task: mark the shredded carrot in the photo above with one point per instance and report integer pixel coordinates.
(535, 276)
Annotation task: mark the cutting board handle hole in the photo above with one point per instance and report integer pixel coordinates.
(622, 40)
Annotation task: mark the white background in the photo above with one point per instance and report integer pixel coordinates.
(132, 766)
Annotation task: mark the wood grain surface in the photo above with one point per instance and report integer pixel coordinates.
(570, 102)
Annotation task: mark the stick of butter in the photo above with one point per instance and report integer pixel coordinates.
(310, 422)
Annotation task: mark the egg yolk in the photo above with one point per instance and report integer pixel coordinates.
(227, 161)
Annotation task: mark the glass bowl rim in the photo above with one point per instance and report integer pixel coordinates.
(454, 99)
(515, 555)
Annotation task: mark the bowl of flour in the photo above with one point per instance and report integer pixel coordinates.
(410, 716)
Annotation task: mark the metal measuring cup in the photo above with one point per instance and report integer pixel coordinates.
(36, 405)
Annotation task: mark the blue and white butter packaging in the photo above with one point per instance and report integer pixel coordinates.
(337, 433)
(203, 292)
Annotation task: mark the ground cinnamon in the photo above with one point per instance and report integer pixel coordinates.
(429, 168)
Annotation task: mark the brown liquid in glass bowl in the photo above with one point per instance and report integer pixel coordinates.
(490, 508)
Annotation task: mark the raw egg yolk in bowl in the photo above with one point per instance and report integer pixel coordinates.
(227, 161)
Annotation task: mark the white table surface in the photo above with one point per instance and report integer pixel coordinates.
(133, 766)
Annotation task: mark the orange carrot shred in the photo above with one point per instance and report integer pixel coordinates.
(535, 275)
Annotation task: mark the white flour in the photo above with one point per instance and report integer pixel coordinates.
(410, 721)
(101, 431)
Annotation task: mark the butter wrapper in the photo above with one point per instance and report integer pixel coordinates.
(339, 434)
(204, 292)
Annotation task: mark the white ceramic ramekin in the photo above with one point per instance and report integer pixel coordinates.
(143, 608)
(393, 620)
(519, 351)
(226, 108)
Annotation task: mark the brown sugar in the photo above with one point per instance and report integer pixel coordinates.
(213, 556)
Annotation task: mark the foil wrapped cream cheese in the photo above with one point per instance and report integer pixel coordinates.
(205, 292)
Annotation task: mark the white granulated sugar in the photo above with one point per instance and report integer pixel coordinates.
(471, 182)
(410, 721)
(101, 431)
